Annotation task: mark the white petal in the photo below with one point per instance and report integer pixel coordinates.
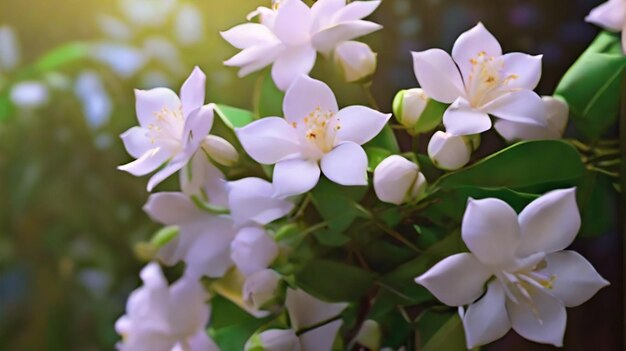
(514, 131)
(220, 150)
(295, 176)
(456, 280)
(251, 199)
(486, 320)
(173, 166)
(171, 208)
(549, 223)
(326, 40)
(346, 164)
(136, 141)
(203, 177)
(462, 119)
(490, 230)
(193, 90)
(209, 255)
(147, 163)
(253, 250)
(154, 100)
(246, 35)
(356, 10)
(292, 63)
(523, 106)
(575, 279)
(269, 140)
(542, 322)
(197, 126)
(438, 75)
(522, 70)
(306, 95)
(322, 13)
(293, 22)
(255, 57)
(278, 340)
(201, 342)
(394, 178)
(610, 15)
(360, 124)
(306, 311)
(448, 152)
(471, 44)
(321, 338)
(188, 312)
(557, 113)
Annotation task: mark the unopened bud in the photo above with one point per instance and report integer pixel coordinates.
(398, 180)
(356, 60)
(409, 105)
(449, 152)
(220, 150)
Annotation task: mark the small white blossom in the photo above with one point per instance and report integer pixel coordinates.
(356, 60)
(557, 114)
(449, 152)
(398, 180)
(410, 107)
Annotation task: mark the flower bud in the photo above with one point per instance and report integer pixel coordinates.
(260, 289)
(356, 60)
(220, 150)
(274, 340)
(449, 152)
(253, 250)
(557, 114)
(398, 180)
(408, 106)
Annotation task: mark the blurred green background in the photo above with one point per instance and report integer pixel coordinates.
(69, 220)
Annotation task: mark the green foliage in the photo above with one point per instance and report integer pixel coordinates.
(268, 99)
(386, 140)
(334, 281)
(375, 155)
(448, 336)
(338, 205)
(230, 325)
(61, 56)
(233, 117)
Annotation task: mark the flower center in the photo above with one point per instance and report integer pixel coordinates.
(486, 81)
(518, 287)
(320, 129)
(167, 127)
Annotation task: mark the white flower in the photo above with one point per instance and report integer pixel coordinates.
(313, 134)
(305, 312)
(557, 114)
(10, 53)
(449, 152)
(29, 94)
(398, 180)
(252, 201)
(165, 318)
(356, 60)
(261, 288)
(171, 129)
(481, 81)
(530, 280)
(290, 35)
(612, 16)
(147, 12)
(253, 250)
(410, 106)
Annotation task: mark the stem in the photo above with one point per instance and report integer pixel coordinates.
(314, 227)
(622, 137)
(415, 143)
(367, 88)
(303, 206)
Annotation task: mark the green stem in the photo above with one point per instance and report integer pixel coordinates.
(303, 206)
(622, 183)
(367, 88)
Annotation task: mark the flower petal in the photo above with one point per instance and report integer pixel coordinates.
(549, 223)
(193, 90)
(200, 342)
(346, 164)
(360, 124)
(292, 63)
(202, 178)
(321, 338)
(575, 279)
(246, 35)
(295, 176)
(438, 75)
(610, 15)
(253, 250)
(523, 71)
(471, 44)
(197, 126)
(456, 280)
(269, 140)
(255, 57)
(251, 199)
(322, 13)
(136, 141)
(522, 106)
(326, 40)
(306, 95)
(542, 322)
(173, 166)
(209, 254)
(486, 320)
(462, 119)
(171, 208)
(306, 311)
(356, 10)
(187, 311)
(490, 230)
(147, 163)
(147, 102)
(293, 22)
(514, 131)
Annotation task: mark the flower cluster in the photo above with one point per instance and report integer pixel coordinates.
(266, 210)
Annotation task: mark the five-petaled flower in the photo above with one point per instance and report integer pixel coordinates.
(313, 133)
(530, 280)
(290, 34)
(478, 81)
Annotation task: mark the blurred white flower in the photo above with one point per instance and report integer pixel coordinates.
(478, 80)
(356, 60)
(189, 25)
(290, 35)
(114, 28)
(165, 318)
(253, 250)
(557, 114)
(398, 180)
(611, 16)
(449, 152)
(29, 94)
(534, 279)
(124, 59)
(147, 12)
(96, 102)
(274, 340)
(9, 49)
(313, 134)
(409, 105)
(261, 289)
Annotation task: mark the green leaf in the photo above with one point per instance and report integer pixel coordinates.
(592, 86)
(386, 140)
(597, 201)
(337, 204)
(230, 325)
(268, 99)
(61, 56)
(233, 117)
(449, 336)
(431, 117)
(334, 281)
(331, 237)
(164, 236)
(521, 165)
(375, 155)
